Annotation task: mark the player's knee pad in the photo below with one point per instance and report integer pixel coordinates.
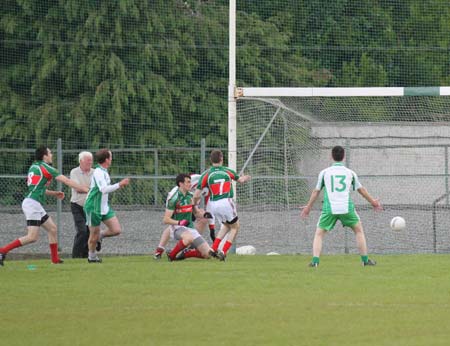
(34, 223)
(233, 221)
(198, 241)
(44, 219)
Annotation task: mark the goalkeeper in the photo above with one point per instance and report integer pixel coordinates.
(337, 181)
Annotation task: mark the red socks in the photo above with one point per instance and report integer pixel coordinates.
(159, 250)
(193, 253)
(54, 252)
(7, 248)
(216, 244)
(16, 243)
(226, 247)
(180, 246)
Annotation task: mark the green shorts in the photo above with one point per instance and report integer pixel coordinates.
(327, 221)
(95, 219)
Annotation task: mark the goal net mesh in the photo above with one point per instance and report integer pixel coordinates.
(398, 146)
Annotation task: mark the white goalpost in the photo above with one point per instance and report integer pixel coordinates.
(397, 140)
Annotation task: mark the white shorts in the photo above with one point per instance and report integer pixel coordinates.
(224, 210)
(32, 209)
(177, 231)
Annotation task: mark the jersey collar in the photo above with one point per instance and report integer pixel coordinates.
(101, 167)
(338, 164)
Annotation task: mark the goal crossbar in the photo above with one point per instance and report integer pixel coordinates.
(343, 92)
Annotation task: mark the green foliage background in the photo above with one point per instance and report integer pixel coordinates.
(154, 74)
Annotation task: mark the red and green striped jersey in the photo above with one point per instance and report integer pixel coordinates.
(219, 182)
(181, 205)
(40, 176)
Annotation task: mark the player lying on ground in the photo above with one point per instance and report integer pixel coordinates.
(178, 215)
(200, 220)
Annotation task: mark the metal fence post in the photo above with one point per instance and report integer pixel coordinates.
(202, 163)
(155, 191)
(59, 188)
(202, 155)
(446, 173)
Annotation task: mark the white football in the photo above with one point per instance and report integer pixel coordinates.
(246, 250)
(398, 223)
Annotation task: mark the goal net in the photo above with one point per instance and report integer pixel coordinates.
(396, 139)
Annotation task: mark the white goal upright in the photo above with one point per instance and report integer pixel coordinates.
(396, 139)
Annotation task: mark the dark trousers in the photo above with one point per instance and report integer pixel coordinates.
(80, 242)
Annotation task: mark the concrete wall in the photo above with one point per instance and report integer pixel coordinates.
(401, 164)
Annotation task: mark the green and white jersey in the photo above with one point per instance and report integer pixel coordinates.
(181, 205)
(337, 180)
(219, 182)
(97, 199)
(40, 176)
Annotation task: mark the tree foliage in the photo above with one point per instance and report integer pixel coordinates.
(133, 73)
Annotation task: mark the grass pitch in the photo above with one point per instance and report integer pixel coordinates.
(248, 300)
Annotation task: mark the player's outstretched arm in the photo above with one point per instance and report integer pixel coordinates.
(124, 182)
(66, 181)
(244, 178)
(57, 194)
(307, 208)
(376, 204)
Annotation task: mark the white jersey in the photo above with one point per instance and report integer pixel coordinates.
(97, 199)
(337, 180)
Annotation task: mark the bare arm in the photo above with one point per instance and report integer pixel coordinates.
(168, 218)
(66, 181)
(307, 208)
(198, 212)
(197, 197)
(373, 201)
(57, 194)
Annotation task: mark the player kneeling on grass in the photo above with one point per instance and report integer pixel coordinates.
(337, 205)
(178, 215)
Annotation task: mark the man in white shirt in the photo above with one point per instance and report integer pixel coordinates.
(337, 180)
(82, 175)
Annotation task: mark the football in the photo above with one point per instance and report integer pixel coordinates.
(246, 250)
(398, 223)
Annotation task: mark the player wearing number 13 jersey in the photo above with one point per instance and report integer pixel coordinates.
(218, 180)
(337, 181)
